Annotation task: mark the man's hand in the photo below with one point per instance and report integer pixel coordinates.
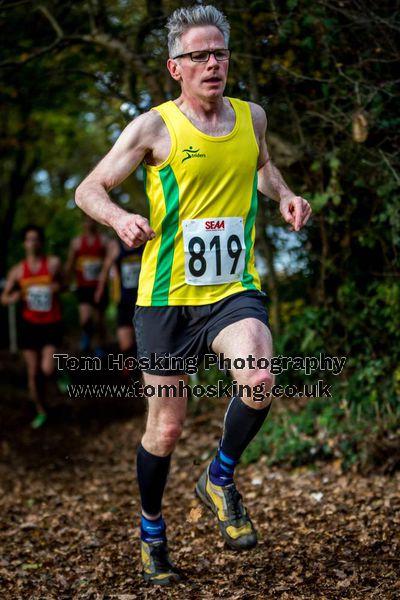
(134, 230)
(55, 286)
(98, 293)
(296, 211)
(11, 297)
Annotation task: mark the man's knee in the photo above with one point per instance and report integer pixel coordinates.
(260, 382)
(165, 435)
(48, 368)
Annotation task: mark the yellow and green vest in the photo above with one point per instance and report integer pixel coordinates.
(206, 182)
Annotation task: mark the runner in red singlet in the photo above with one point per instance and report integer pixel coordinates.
(86, 257)
(36, 280)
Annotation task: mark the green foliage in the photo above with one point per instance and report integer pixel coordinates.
(365, 328)
(319, 430)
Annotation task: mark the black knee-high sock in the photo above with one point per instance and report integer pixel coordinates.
(152, 472)
(241, 424)
(88, 327)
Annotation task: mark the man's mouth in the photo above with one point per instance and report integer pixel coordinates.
(212, 80)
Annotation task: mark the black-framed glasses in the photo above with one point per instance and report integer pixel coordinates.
(203, 55)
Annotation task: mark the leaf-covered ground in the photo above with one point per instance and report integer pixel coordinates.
(69, 515)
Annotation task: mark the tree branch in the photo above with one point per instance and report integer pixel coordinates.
(52, 20)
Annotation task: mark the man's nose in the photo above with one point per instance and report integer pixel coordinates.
(212, 61)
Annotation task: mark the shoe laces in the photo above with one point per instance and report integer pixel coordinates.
(159, 554)
(234, 504)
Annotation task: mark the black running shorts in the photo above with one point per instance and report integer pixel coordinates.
(85, 295)
(126, 310)
(34, 336)
(187, 331)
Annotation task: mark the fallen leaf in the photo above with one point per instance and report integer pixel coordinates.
(317, 496)
(195, 515)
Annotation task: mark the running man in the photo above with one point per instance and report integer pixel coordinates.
(86, 256)
(127, 262)
(204, 157)
(37, 281)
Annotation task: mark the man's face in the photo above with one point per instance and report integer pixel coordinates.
(32, 243)
(203, 79)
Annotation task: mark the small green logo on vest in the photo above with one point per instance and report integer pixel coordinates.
(191, 153)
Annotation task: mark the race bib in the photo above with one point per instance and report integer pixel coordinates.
(214, 250)
(130, 274)
(39, 298)
(91, 270)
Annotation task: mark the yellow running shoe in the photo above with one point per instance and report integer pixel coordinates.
(226, 503)
(157, 568)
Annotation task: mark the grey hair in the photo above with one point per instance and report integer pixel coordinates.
(183, 19)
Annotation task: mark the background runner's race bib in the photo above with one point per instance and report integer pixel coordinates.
(39, 298)
(214, 250)
(91, 270)
(130, 274)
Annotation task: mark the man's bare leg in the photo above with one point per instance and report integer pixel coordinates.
(87, 326)
(35, 385)
(100, 334)
(126, 338)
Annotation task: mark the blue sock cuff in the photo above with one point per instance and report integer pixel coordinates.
(222, 468)
(153, 527)
(226, 459)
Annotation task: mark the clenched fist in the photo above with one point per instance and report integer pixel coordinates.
(134, 230)
(295, 210)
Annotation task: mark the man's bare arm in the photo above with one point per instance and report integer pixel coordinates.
(12, 292)
(55, 269)
(294, 209)
(134, 143)
(69, 265)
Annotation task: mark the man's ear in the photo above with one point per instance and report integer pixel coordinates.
(174, 69)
